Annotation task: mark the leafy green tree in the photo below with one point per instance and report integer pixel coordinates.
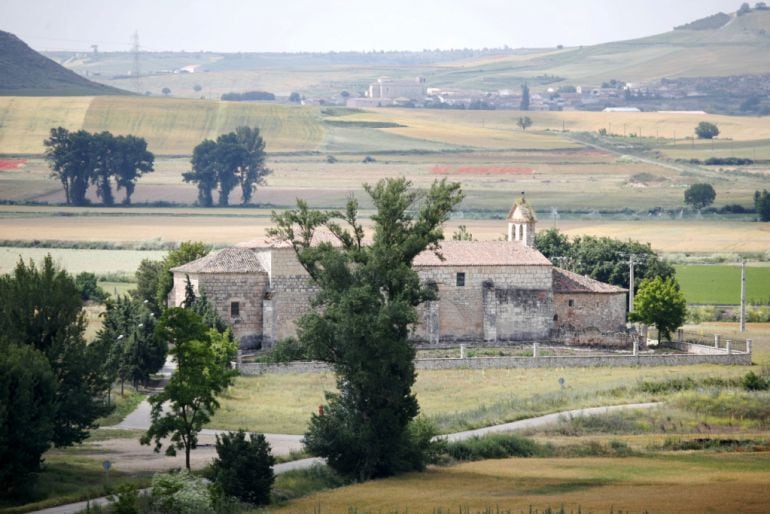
(244, 469)
(89, 287)
(700, 195)
(68, 155)
(524, 122)
(131, 160)
(659, 302)
(368, 297)
(204, 171)
(706, 130)
(135, 350)
(524, 105)
(147, 278)
(203, 371)
(101, 149)
(187, 252)
(166, 91)
(762, 205)
(602, 258)
(27, 403)
(294, 97)
(41, 307)
(252, 171)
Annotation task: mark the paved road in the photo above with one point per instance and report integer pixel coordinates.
(537, 422)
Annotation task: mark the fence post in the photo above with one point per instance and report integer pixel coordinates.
(462, 351)
(748, 346)
(729, 346)
(680, 335)
(535, 350)
(716, 340)
(636, 347)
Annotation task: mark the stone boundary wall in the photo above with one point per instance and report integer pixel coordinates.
(732, 359)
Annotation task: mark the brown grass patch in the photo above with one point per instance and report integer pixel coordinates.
(690, 483)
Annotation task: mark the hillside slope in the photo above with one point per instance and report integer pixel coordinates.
(739, 45)
(23, 71)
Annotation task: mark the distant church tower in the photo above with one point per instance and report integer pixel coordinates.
(521, 222)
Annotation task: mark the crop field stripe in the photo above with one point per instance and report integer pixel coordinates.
(721, 285)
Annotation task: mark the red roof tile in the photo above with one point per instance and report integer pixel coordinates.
(481, 253)
(568, 282)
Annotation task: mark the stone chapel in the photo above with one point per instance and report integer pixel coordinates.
(488, 291)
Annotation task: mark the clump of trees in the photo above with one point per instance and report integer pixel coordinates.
(700, 195)
(235, 159)
(81, 159)
(249, 96)
(602, 258)
(53, 386)
(368, 297)
(706, 130)
(762, 205)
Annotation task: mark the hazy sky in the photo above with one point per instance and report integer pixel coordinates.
(306, 25)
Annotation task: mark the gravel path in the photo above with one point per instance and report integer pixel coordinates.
(283, 443)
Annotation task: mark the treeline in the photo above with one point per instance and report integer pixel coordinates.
(248, 96)
(723, 161)
(82, 159)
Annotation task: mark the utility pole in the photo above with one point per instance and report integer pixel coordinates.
(631, 283)
(136, 69)
(743, 295)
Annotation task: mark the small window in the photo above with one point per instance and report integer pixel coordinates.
(461, 280)
(571, 303)
(235, 309)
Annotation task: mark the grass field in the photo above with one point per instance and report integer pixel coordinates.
(75, 261)
(454, 399)
(722, 284)
(666, 482)
(171, 126)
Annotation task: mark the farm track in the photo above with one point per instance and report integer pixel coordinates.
(308, 463)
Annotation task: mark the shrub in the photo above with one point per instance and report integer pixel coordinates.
(287, 350)
(369, 159)
(244, 469)
(493, 446)
(753, 382)
(181, 493)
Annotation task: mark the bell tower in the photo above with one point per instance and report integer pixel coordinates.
(521, 222)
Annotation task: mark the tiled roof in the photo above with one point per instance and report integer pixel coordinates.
(567, 282)
(481, 253)
(229, 260)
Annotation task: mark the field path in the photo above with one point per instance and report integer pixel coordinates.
(522, 424)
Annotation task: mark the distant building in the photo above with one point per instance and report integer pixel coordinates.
(391, 89)
(621, 109)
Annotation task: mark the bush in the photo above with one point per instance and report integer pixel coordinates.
(244, 469)
(181, 493)
(287, 350)
(369, 159)
(493, 446)
(753, 382)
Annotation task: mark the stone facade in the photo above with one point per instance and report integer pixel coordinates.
(488, 291)
(580, 311)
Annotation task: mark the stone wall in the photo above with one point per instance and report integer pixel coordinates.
(733, 359)
(291, 293)
(222, 289)
(502, 303)
(605, 312)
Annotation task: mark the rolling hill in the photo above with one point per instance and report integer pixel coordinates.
(25, 72)
(720, 45)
